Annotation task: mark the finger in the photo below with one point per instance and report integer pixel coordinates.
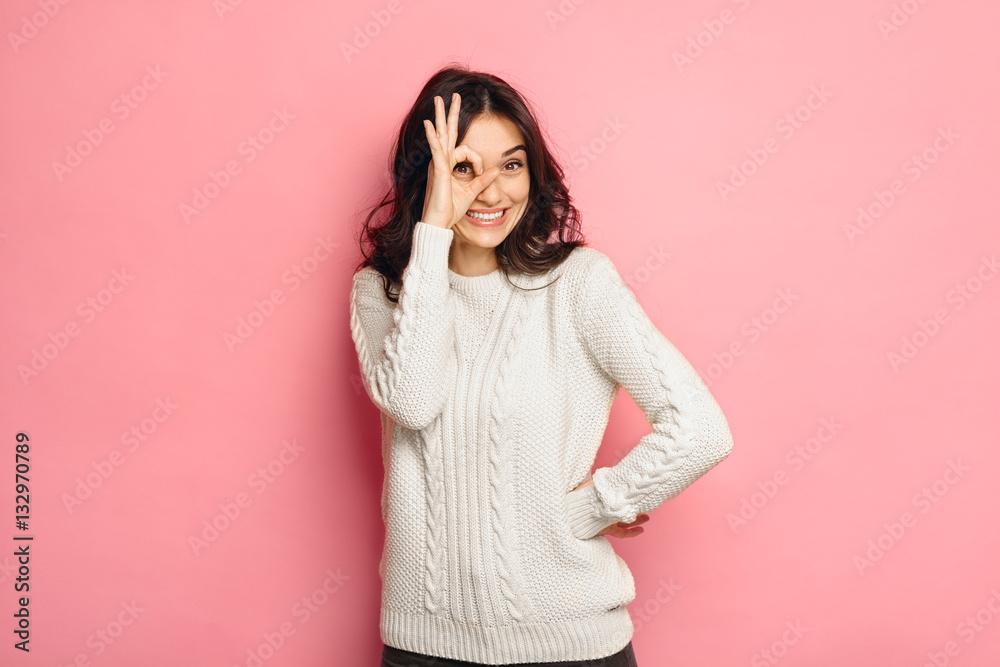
(432, 139)
(437, 153)
(628, 530)
(641, 518)
(463, 153)
(440, 122)
(634, 524)
(456, 104)
(481, 182)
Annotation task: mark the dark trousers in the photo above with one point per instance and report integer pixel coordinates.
(394, 657)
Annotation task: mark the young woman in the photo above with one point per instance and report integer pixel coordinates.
(494, 344)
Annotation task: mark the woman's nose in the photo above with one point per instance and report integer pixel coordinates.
(490, 194)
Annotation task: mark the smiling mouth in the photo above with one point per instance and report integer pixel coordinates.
(487, 218)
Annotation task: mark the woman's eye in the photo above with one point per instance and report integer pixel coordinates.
(465, 168)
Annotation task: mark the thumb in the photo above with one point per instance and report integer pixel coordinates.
(481, 182)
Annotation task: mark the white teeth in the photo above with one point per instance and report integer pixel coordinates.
(485, 216)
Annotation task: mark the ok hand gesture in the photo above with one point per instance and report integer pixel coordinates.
(446, 198)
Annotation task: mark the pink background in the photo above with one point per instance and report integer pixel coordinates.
(842, 545)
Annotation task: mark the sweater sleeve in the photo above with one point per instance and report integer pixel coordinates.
(689, 433)
(405, 350)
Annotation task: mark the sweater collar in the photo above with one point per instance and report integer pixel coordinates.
(487, 282)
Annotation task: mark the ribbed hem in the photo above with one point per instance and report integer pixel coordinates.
(575, 639)
(584, 509)
(431, 247)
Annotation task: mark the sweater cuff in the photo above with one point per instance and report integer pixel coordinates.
(431, 246)
(586, 517)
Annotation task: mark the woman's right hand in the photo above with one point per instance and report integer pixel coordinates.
(620, 529)
(447, 198)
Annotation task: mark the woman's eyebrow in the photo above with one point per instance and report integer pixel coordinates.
(515, 148)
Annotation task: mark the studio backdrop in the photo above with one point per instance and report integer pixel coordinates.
(803, 198)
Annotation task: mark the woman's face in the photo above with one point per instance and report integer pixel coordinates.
(500, 144)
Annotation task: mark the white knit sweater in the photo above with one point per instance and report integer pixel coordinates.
(493, 404)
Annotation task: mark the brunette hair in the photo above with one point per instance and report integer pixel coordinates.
(550, 227)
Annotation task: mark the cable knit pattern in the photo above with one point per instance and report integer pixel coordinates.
(500, 496)
(494, 403)
(435, 599)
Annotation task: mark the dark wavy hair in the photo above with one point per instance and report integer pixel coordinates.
(550, 226)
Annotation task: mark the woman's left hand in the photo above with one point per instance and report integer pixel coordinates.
(620, 529)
